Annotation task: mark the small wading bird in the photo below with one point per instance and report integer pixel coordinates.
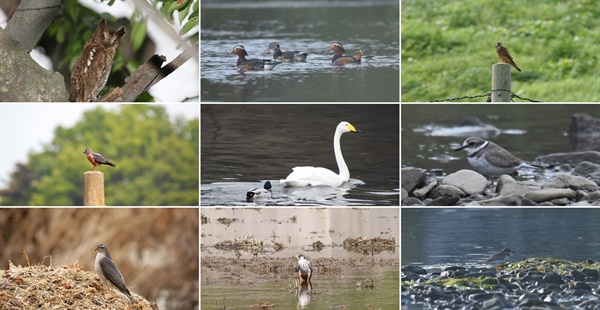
(490, 159)
(304, 269)
(500, 257)
(108, 271)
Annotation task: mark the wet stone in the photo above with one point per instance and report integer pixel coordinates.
(573, 182)
(444, 201)
(577, 276)
(549, 194)
(468, 181)
(447, 191)
(591, 274)
(582, 286)
(412, 178)
(412, 201)
(588, 170)
(552, 278)
(497, 302)
(537, 304)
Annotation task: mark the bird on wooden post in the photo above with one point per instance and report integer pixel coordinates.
(505, 55)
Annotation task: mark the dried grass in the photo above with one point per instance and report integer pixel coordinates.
(65, 287)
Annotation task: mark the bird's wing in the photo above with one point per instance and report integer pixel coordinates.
(100, 158)
(111, 272)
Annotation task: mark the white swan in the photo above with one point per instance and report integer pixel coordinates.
(316, 176)
(259, 193)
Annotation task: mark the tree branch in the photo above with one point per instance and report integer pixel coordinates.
(149, 74)
(30, 21)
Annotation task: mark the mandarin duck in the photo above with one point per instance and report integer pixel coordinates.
(290, 56)
(340, 59)
(251, 64)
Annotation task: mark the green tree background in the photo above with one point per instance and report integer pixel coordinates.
(157, 161)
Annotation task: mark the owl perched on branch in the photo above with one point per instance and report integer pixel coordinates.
(91, 70)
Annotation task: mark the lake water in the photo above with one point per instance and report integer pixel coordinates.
(462, 236)
(244, 145)
(310, 26)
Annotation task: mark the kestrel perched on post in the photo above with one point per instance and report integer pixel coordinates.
(505, 55)
(97, 159)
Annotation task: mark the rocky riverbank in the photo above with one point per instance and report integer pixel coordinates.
(574, 183)
(540, 283)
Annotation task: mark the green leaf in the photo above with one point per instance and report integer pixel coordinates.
(193, 22)
(138, 34)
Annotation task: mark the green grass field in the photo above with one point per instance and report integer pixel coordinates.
(449, 47)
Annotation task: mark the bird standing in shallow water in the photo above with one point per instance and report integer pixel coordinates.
(304, 270)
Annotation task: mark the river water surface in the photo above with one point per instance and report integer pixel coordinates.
(469, 236)
(307, 26)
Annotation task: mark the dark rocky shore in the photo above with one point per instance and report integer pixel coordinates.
(534, 283)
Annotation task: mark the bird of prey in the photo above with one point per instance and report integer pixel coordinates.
(304, 268)
(97, 159)
(108, 271)
(505, 55)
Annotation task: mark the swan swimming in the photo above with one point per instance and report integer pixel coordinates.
(259, 193)
(317, 176)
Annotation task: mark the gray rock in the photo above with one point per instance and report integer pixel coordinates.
(403, 194)
(446, 191)
(560, 202)
(573, 182)
(594, 196)
(412, 201)
(552, 278)
(573, 159)
(423, 191)
(468, 181)
(512, 200)
(549, 194)
(444, 201)
(411, 178)
(509, 188)
(588, 170)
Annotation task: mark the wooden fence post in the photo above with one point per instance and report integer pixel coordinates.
(501, 91)
(93, 188)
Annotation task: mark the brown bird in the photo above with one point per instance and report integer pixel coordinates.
(505, 55)
(97, 159)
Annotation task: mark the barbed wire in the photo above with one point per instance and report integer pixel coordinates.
(488, 95)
